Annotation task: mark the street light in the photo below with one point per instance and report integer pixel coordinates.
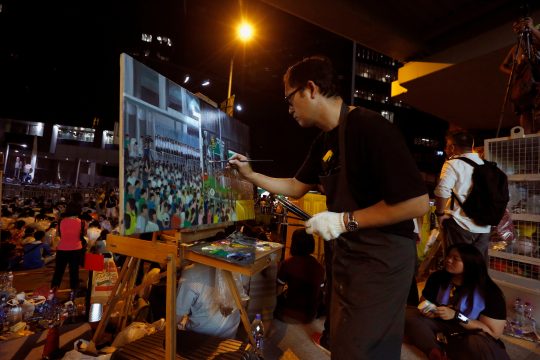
(244, 32)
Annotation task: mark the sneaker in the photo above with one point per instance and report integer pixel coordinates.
(316, 338)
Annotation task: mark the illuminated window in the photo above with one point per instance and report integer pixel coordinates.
(75, 133)
(109, 137)
(427, 142)
(388, 115)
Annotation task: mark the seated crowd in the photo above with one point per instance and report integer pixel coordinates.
(30, 228)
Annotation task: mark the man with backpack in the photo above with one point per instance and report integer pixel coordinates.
(471, 195)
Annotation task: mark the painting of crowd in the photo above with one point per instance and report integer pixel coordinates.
(168, 190)
(29, 226)
(173, 142)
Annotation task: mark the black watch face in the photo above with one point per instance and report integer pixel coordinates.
(352, 226)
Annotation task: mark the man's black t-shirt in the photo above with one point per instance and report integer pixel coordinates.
(379, 164)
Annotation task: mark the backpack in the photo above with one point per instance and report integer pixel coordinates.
(488, 198)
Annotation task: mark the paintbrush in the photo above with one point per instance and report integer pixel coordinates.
(248, 160)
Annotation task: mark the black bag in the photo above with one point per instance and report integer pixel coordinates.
(84, 244)
(472, 345)
(488, 198)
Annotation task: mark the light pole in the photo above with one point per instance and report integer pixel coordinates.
(244, 33)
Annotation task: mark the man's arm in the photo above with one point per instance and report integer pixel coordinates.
(329, 225)
(440, 206)
(443, 191)
(284, 186)
(382, 214)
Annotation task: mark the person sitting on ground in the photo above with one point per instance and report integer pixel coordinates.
(196, 306)
(7, 251)
(92, 233)
(36, 252)
(17, 232)
(51, 237)
(469, 309)
(300, 280)
(101, 245)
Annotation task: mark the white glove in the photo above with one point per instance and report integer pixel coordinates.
(328, 225)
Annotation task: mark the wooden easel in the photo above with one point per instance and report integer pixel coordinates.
(162, 252)
(136, 249)
(170, 253)
(262, 260)
(431, 257)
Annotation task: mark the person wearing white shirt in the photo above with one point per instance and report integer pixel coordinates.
(151, 225)
(198, 305)
(456, 177)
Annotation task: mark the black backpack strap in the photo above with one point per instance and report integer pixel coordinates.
(342, 127)
(468, 161)
(454, 197)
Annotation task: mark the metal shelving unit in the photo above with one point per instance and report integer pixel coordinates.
(516, 267)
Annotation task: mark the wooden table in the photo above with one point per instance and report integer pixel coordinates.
(262, 260)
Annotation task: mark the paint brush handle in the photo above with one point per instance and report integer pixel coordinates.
(248, 160)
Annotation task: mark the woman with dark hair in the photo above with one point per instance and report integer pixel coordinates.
(69, 247)
(303, 277)
(464, 304)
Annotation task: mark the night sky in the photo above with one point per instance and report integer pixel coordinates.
(59, 62)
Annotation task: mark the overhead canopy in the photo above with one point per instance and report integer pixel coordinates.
(472, 37)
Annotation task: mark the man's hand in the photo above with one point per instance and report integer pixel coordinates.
(182, 323)
(441, 219)
(239, 163)
(328, 225)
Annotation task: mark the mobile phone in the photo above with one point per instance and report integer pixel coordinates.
(462, 318)
(427, 306)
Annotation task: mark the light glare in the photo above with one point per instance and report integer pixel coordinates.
(245, 31)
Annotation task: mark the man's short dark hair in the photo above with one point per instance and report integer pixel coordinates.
(302, 243)
(38, 235)
(461, 139)
(318, 69)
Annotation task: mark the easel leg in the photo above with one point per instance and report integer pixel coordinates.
(170, 327)
(243, 314)
(109, 307)
(128, 302)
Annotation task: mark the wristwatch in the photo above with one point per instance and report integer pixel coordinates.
(352, 224)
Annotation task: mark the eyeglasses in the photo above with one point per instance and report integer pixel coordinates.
(289, 97)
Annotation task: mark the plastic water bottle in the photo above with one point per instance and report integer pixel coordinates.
(9, 284)
(518, 311)
(528, 310)
(257, 330)
(4, 324)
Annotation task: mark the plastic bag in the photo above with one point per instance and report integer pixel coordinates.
(223, 295)
(76, 355)
(134, 331)
(240, 286)
(504, 231)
